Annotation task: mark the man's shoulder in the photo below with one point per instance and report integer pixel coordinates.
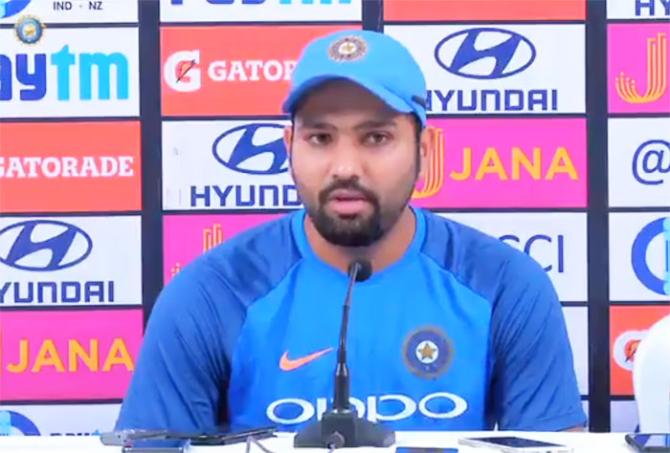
(248, 264)
(478, 260)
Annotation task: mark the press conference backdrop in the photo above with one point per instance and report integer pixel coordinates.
(134, 136)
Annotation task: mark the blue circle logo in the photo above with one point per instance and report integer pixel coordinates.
(639, 256)
(428, 352)
(11, 419)
(9, 8)
(29, 30)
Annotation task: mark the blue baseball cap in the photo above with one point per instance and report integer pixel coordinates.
(373, 60)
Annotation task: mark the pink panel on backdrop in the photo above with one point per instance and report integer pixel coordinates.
(637, 75)
(506, 163)
(189, 236)
(66, 355)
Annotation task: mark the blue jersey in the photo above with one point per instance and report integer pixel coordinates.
(462, 333)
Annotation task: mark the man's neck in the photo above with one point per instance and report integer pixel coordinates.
(382, 254)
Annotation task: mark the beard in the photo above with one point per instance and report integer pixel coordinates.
(357, 230)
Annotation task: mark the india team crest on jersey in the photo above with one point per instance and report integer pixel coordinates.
(428, 352)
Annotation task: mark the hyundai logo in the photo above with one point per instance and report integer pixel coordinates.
(43, 245)
(255, 149)
(485, 53)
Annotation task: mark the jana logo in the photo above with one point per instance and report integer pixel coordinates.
(255, 149)
(639, 256)
(9, 8)
(11, 421)
(485, 53)
(23, 245)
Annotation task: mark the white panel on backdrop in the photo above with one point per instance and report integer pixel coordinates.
(69, 11)
(623, 417)
(499, 69)
(555, 240)
(639, 162)
(70, 261)
(576, 319)
(640, 256)
(226, 165)
(638, 9)
(260, 10)
(58, 420)
(70, 73)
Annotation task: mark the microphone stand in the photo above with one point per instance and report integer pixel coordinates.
(340, 426)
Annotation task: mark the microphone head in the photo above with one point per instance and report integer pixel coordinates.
(364, 269)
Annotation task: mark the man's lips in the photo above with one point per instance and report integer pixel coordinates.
(347, 202)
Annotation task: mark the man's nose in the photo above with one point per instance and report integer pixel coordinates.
(347, 161)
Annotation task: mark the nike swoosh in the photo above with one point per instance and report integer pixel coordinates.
(286, 364)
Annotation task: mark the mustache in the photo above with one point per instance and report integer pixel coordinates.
(348, 184)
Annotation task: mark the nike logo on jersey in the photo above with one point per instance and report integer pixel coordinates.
(286, 364)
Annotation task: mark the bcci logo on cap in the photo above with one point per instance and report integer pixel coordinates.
(428, 352)
(349, 48)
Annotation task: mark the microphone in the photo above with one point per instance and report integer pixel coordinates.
(340, 426)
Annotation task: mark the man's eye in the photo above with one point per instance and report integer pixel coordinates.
(319, 139)
(377, 138)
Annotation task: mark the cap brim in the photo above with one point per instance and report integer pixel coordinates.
(393, 101)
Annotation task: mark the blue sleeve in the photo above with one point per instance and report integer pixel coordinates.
(534, 383)
(180, 379)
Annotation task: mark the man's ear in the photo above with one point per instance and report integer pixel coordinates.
(426, 150)
(288, 139)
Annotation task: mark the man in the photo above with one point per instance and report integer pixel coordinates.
(453, 331)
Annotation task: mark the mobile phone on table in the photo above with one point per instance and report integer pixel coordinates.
(649, 442)
(513, 444)
(157, 446)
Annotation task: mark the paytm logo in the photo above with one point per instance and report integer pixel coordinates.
(82, 76)
(653, 269)
(651, 162)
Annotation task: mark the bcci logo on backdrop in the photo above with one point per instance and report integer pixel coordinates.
(650, 256)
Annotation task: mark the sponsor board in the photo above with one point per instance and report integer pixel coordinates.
(69, 11)
(226, 165)
(93, 357)
(639, 162)
(576, 319)
(557, 241)
(515, 163)
(70, 73)
(185, 237)
(70, 261)
(70, 167)
(492, 10)
(260, 10)
(638, 9)
(628, 326)
(202, 77)
(623, 417)
(58, 420)
(637, 68)
(640, 256)
(501, 69)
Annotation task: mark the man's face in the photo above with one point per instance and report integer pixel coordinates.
(354, 162)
